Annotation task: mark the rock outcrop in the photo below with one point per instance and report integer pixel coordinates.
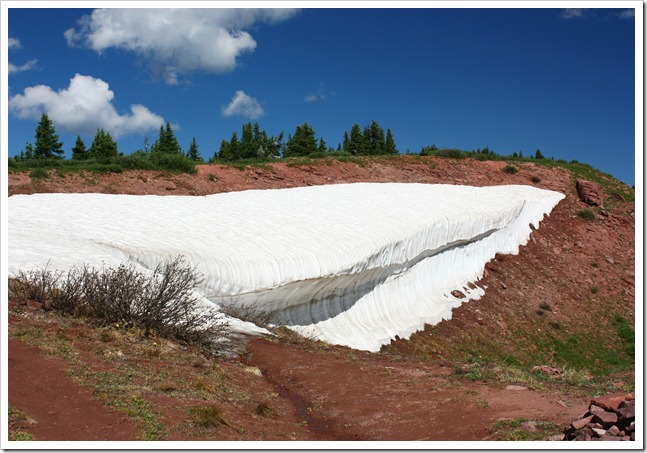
(610, 417)
(589, 192)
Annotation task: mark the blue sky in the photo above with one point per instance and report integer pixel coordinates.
(555, 79)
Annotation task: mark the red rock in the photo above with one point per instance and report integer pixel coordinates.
(581, 423)
(609, 402)
(589, 192)
(606, 419)
(608, 437)
(594, 409)
(613, 431)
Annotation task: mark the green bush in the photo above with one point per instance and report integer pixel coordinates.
(586, 214)
(510, 169)
(173, 162)
(39, 173)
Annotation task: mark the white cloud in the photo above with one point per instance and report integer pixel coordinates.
(573, 13)
(175, 42)
(13, 43)
(318, 95)
(243, 105)
(83, 107)
(627, 14)
(25, 67)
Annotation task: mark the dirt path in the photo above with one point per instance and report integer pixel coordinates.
(372, 398)
(58, 408)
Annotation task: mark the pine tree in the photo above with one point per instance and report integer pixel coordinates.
(322, 146)
(247, 144)
(103, 146)
(235, 148)
(303, 143)
(389, 146)
(166, 143)
(376, 139)
(28, 152)
(356, 144)
(79, 152)
(193, 152)
(225, 151)
(539, 155)
(47, 144)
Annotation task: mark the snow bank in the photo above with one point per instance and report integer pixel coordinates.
(351, 264)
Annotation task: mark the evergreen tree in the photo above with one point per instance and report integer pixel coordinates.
(103, 146)
(376, 139)
(225, 151)
(247, 145)
(27, 153)
(47, 144)
(79, 152)
(539, 155)
(356, 145)
(193, 152)
(389, 146)
(303, 143)
(322, 146)
(235, 147)
(167, 142)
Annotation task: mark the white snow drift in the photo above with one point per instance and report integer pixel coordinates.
(352, 264)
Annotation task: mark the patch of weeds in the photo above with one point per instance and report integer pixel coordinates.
(113, 389)
(166, 386)
(595, 289)
(595, 265)
(522, 429)
(627, 334)
(586, 214)
(39, 174)
(144, 412)
(20, 436)
(152, 350)
(107, 336)
(265, 410)
(545, 306)
(483, 404)
(576, 378)
(555, 324)
(535, 179)
(510, 169)
(16, 418)
(213, 178)
(207, 416)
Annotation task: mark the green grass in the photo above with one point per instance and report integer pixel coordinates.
(39, 173)
(15, 416)
(113, 388)
(207, 416)
(586, 214)
(38, 168)
(519, 429)
(626, 334)
(265, 410)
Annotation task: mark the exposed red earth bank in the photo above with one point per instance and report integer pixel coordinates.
(409, 391)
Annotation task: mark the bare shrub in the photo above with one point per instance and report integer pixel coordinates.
(248, 313)
(162, 303)
(36, 284)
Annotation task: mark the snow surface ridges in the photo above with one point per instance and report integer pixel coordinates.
(352, 264)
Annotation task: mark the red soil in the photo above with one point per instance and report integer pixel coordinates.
(333, 393)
